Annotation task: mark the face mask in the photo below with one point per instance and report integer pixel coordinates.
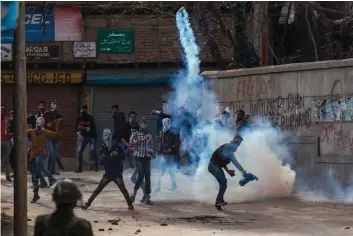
(53, 106)
(166, 124)
(143, 123)
(83, 113)
(39, 123)
(107, 134)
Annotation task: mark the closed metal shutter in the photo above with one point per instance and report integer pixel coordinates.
(67, 97)
(139, 98)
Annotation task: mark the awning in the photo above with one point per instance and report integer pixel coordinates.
(131, 78)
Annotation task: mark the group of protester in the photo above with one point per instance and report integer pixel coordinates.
(128, 144)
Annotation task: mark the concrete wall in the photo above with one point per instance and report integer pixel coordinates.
(310, 100)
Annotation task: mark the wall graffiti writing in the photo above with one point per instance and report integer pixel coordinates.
(332, 109)
(336, 138)
(253, 88)
(288, 113)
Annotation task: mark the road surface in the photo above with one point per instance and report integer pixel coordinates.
(109, 215)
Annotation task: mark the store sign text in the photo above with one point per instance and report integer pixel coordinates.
(46, 78)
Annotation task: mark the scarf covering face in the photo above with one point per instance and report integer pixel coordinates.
(166, 124)
(107, 138)
(143, 123)
(40, 123)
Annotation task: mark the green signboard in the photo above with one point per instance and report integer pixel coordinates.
(116, 41)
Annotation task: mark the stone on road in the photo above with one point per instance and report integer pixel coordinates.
(109, 215)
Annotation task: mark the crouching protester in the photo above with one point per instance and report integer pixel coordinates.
(220, 159)
(169, 148)
(39, 137)
(63, 221)
(142, 144)
(112, 156)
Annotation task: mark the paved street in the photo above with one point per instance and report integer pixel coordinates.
(286, 216)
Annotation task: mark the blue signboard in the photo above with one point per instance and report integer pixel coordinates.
(10, 15)
(35, 29)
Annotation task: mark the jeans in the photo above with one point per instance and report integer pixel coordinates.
(167, 162)
(143, 169)
(37, 167)
(218, 173)
(134, 179)
(129, 161)
(106, 179)
(5, 156)
(81, 147)
(53, 151)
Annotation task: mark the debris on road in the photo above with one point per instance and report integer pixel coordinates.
(164, 224)
(100, 229)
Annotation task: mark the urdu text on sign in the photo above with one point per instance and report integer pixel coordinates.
(116, 41)
(46, 78)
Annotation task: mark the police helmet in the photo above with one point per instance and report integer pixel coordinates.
(66, 191)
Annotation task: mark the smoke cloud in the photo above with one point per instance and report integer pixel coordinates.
(261, 153)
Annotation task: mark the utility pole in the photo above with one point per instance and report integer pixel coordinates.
(20, 108)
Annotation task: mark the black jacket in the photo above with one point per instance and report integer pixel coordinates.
(62, 223)
(112, 165)
(87, 121)
(169, 140)
(119, 123)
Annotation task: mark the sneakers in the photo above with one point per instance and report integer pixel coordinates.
(219, 203)
(35, 198)
(85, 206)
(143, 199)
(131, 208)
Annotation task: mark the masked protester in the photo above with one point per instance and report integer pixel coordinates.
(129, 161)
(169, 148)
(63, 220)
(161, 115)
(220, 158)
(142, 144)
(87, 130)
(39, 136)
(5, 141)
(53, 144)
(112, 156)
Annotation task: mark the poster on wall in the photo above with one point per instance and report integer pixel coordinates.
(6, 52)
(43, 53)
(50, 24)
(84, 49)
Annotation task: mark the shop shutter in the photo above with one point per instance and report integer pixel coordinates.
(67, 97)
(139, 98)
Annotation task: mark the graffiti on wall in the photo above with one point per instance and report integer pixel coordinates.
(335, 138)
(332, 109)
(287, 113)
(253, 88)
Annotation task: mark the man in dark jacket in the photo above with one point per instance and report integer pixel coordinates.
(119, 123)
(129, 159)
(41, 109)
(220, 159)
(53, 144)
(242, 123)
(169, 149)
(112, 155)
(87, 130)
(63, 221)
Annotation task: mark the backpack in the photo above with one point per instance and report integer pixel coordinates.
(63, 231)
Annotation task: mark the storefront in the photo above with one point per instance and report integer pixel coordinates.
(64, 87)
(139, 92)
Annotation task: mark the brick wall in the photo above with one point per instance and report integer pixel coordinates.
(156, 39)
